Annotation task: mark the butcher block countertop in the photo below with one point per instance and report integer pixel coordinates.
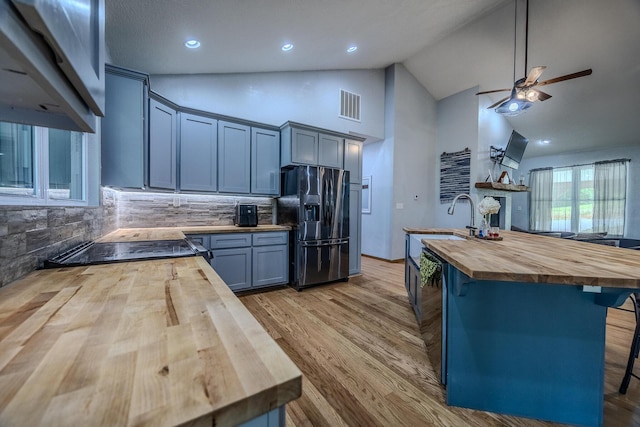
(158, 343)
(177, 233)
(524, 257)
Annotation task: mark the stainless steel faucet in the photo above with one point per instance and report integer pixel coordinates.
(471, 227)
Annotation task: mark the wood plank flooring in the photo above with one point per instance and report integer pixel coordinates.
(364, 363)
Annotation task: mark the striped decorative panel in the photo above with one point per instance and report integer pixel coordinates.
(455, 174)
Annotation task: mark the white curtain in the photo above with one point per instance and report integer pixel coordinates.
(610, 192)
(540, 199)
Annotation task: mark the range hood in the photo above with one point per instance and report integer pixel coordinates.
(52, 76)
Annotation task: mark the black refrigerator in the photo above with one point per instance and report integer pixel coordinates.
(314, 201)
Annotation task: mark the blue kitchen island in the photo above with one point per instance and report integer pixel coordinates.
(522, 321)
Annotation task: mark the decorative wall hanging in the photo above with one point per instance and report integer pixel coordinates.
(455, 174)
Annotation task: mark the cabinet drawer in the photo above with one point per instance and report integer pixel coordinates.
(231, 240)
(271, 238)
(200, 239)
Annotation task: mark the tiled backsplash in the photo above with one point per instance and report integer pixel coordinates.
(142, 209)
(31, 234)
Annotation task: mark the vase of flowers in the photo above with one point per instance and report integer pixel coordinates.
(487, 207)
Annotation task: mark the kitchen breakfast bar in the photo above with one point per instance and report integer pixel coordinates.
(523, 321)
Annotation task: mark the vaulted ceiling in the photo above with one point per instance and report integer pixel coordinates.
(448, 45)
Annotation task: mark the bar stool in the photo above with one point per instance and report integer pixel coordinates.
(635, 345)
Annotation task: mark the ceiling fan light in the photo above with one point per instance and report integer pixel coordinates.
(513, 107)
(532, 95)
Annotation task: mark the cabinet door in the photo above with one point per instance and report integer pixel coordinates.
(353, 160)
(270, 265)
(265, 161)
(123, 132)
(233, 266)
(234, 157)
(304, 147)
(198, 153)
(162, 146)
(330, 151)
(355, 227)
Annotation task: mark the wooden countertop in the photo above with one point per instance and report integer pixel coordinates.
(177, 233)
(524, 257)
(162, 343)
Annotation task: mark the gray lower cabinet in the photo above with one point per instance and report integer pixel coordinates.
(198, 153)
(355, 228)
(249, 260)
(234, 158)
(265, 161)
(162, 145)
(124, 131)
(234, 267)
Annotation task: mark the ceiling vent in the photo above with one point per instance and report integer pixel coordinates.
(349, 105)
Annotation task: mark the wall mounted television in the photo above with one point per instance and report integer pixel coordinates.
(514, 151)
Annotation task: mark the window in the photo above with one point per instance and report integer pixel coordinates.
(581, 199)
(41, 165)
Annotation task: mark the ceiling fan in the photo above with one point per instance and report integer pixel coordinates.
(525, 90)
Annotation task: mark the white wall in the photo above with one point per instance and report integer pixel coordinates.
(310, 97)
(457, 129)
(401, 166)
(520, 218)
(414, 157)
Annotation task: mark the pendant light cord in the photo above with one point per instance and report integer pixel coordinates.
(515, 38)
(526, 40)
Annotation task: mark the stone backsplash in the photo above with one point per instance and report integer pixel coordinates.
(31, 234)
(142, 209)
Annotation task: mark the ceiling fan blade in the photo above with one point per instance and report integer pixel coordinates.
(493, 91)
(498, 103)
(542, 96)
(534, 74)
(567, 77)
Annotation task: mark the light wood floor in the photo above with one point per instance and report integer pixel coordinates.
(364, 363)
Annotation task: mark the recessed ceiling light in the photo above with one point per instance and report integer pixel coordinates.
(192, 44)
(351, 49)
(287, 47)
(545, 141)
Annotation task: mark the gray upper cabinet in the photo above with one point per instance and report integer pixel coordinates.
(265, 161)
(234, 158)
(306, 145)
(198, 153)
(330, 151)
(162, 145)
(124, 134)
(353, 160)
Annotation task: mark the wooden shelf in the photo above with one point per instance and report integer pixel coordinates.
(502, 187)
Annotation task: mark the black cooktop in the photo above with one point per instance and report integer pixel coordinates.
(102, 253)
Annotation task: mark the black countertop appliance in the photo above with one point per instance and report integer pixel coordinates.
(246, 216)
(91, 253)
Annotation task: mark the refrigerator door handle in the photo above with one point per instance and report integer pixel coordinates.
(317, 244)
